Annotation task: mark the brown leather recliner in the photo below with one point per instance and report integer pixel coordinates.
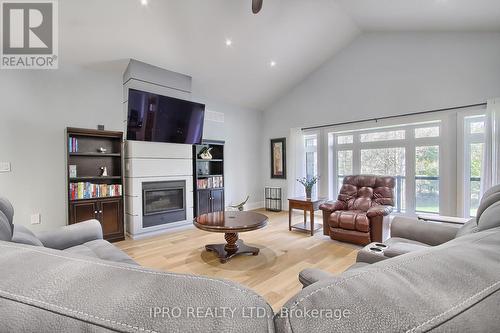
(358, 214)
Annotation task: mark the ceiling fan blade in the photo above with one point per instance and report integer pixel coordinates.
(256, 6)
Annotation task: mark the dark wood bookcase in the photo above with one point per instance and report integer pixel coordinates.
(103, 201)
(208, 177)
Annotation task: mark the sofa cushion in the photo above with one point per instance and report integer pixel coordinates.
(5, 228)
(490, 218)
(469, 227)
(101, 249)
(23, 235)
(45, 290)
(358, 265)
(350, 220)
(417, 292)
(309, 276)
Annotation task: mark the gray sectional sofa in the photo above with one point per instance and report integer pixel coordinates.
(451, 287)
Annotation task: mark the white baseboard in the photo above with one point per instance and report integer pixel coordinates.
(254, 205)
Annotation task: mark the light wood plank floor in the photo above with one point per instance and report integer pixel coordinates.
(273, 273)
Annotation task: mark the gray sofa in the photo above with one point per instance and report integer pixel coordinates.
(451, 287)
(82, 238)
(71, 280)
(410, 234)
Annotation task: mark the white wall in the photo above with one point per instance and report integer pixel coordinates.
(35, 109)
(242, 132)
(381, 74)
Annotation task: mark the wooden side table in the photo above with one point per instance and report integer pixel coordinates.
(307, 205)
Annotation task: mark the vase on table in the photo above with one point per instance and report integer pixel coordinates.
(308, 193)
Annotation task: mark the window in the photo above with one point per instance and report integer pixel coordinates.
(344, 139)
(344, 166)
(426, 132)
(427, 179)
(387, 151)
(382, 136)
(473, 152)
(311, 151)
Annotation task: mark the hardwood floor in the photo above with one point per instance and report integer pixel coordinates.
(273, 273)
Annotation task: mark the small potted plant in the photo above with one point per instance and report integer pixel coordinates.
(308, 184)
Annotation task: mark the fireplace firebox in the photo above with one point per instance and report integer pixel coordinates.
(163, 202)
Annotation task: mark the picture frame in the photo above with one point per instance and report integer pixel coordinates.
(278, 158)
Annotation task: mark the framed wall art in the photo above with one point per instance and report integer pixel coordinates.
(278, 158)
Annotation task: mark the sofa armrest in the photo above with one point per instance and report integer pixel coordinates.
(379, 210)
(71, 235)
(332, 206)
(430, 233)
(312, 275)
(443, 219)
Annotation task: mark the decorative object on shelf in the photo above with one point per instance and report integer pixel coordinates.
(205, 153)
(72, 171)
(278, 158)
(102, 150)
(241, 206)
(308, 184)
(104, 171)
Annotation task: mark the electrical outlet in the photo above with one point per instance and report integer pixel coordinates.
(36, 218)
(5, 167)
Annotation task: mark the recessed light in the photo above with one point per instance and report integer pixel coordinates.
(272, 63)
(229, 42)
(144, 2)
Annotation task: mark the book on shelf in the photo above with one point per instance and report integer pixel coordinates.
(210, 182)
(73, 145)
(85, 190)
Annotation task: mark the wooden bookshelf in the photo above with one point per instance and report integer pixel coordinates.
(99, 197)
(210, 174)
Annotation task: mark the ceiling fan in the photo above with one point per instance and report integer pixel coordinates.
(256, 6)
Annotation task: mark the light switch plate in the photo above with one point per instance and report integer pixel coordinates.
(36, 218)
(5, 167)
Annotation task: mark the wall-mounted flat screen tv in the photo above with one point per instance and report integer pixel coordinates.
(159, 118)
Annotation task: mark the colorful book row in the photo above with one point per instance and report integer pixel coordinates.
(73, 145)
(84, 190)
(210, 182)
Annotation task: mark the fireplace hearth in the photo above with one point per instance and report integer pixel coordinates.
(163, 202)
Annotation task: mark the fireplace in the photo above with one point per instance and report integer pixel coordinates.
(163, 202)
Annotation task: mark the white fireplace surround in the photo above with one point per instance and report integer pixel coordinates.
(151, 162)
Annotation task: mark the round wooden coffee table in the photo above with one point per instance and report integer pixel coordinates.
(231, 223)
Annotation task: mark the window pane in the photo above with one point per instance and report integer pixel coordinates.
(476, 159)
(477, 127)
(383, 161)
(383, 136)
(311, 141)
(344, 162)
(344, 139)
(427, 179)
(427, 161)
(311, 164)
(427, 132)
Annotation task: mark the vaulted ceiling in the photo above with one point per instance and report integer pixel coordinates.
(189, 36)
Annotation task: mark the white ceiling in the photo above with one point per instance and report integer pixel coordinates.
(188, 36)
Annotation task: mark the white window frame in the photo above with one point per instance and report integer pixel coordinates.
(409, 143)
(464, 140)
